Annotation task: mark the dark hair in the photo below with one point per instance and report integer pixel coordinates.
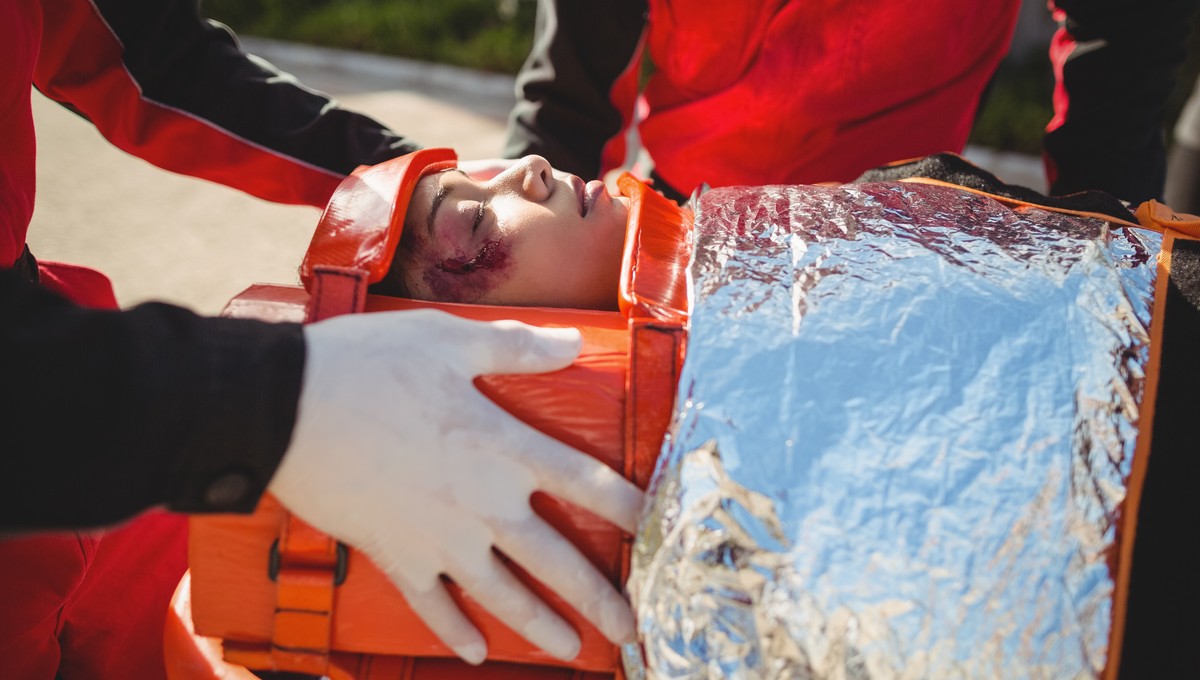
(393, 283)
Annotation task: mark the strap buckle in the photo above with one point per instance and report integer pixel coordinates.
(339, 568)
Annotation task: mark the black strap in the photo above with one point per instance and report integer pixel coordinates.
(26, 266)
(1162, 621)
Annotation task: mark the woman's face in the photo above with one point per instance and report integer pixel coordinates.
(531, 236)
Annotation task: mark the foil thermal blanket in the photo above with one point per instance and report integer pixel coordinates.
(902, 435)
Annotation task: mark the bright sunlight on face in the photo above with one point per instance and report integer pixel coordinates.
(531, 236)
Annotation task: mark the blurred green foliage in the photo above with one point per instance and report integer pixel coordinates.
(490, 35)
(1017, 106)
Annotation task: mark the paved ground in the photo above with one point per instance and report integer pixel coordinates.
(165, 236)
(174, 238)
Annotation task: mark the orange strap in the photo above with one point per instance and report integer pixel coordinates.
(655, 360)
(1165, 412)
(1156, 216)
(335, 291)
(306, 565)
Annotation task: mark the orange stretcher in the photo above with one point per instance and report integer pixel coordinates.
(268, 592)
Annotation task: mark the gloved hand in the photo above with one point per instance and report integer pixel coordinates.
(396, 453)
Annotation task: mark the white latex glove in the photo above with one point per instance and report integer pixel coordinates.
(396, 453)
(484, 169)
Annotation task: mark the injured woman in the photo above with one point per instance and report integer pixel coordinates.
(530, 236)
(910, 419)
(912, 428)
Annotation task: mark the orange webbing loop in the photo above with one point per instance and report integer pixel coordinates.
(336, 290)
(306, 565)
(1156, 216)
(655, 360)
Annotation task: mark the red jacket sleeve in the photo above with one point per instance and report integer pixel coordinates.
(162, 84)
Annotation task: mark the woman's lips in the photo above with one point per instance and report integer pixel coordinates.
(594, 190)
(580, 190)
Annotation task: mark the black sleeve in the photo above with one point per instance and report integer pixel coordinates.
(1117, 81)
(563, 110)
(167, 86)
(108, 413)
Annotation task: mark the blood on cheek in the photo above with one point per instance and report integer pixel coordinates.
(466, 279)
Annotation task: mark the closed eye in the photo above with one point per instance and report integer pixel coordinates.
(478, 219)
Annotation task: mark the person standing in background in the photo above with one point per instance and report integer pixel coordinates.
(755, 93)
(805, 91)
(1115, 66)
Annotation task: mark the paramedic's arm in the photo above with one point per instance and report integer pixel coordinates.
(109, 413)
(164, 85)
(1116, 64)
(432, 479)
(565, 107)
(367, 426)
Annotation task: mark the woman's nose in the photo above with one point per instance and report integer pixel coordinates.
(536, 176)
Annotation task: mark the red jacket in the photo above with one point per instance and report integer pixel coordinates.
(163, 85)
(817, 90)
(759, 92)
(162, 402)
(109, 413)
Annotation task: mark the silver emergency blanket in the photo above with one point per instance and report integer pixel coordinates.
(902, 432)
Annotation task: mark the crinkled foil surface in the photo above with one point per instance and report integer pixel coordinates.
(903, 428)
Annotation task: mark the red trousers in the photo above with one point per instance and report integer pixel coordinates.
(89, 604)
